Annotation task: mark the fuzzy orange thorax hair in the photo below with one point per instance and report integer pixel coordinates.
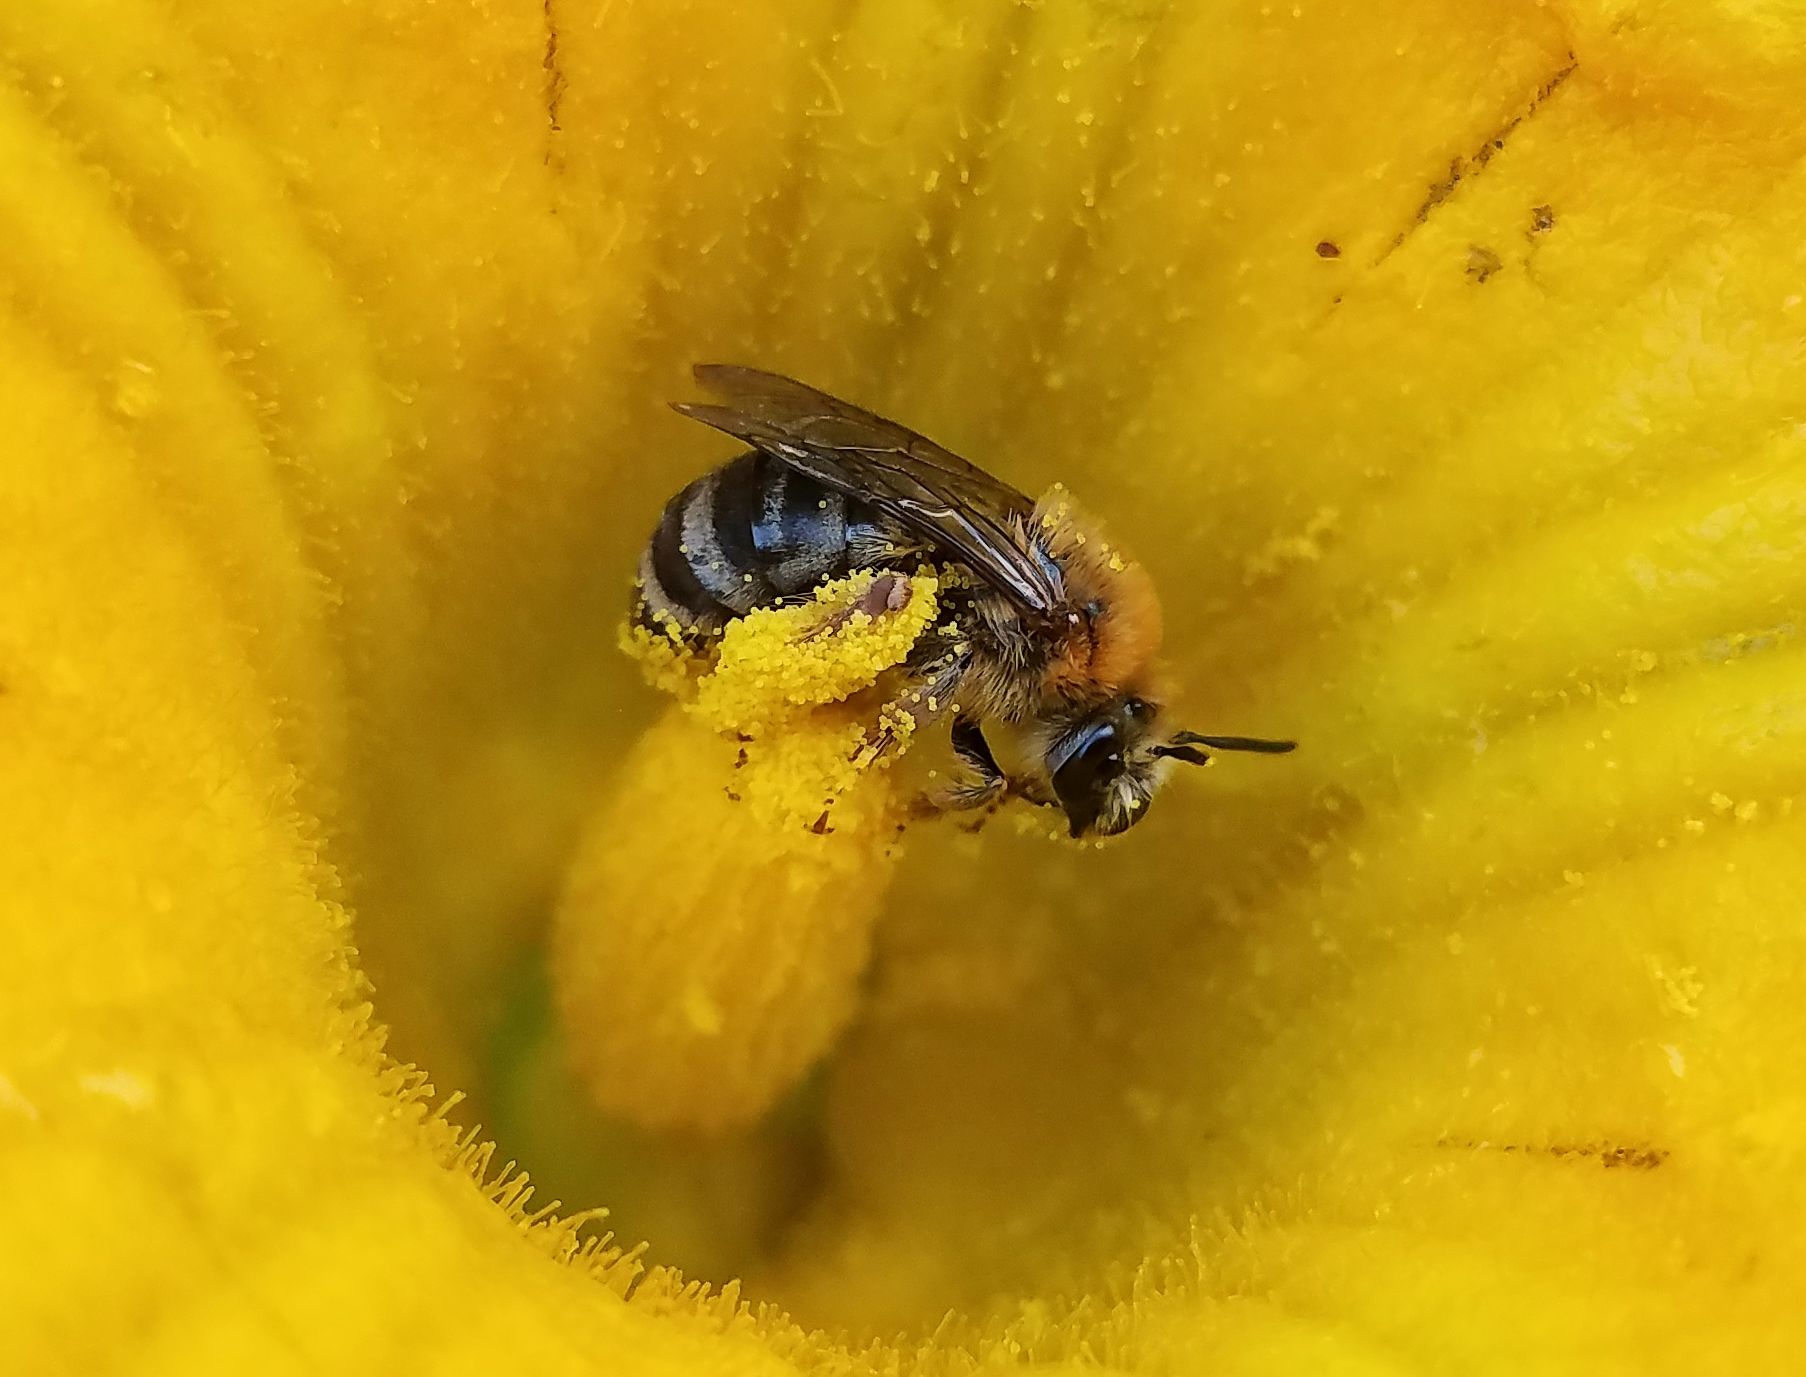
(1115, 648)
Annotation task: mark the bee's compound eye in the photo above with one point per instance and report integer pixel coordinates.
(1101, 752)
(1094, 609)
(1092, 745)
(1083, 767)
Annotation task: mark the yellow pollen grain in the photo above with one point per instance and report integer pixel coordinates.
(661, 656)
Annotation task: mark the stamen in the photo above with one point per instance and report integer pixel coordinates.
(717, 915)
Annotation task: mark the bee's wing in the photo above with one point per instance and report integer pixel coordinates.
(963, 512)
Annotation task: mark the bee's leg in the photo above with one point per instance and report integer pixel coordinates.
(970, 745)
(989, 788)
(986, 790)
(931, 699)
(988, 784)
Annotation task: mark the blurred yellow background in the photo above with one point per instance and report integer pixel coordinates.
(1441, 361)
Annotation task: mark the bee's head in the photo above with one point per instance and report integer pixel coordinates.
(1106, 766)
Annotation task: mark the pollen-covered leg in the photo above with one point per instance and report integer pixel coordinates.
(932, 700)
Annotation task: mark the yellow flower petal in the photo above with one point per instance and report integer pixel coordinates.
(1440, 361)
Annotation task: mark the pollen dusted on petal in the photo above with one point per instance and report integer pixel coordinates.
(737, 863)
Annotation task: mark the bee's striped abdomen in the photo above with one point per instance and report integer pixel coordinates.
(751, 533)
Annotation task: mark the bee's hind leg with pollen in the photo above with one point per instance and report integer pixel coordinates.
(932, 699)
(987, 786)
(938, 665)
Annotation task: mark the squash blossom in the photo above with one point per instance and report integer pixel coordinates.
(1441, 362)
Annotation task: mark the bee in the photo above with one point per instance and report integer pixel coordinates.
(1045, 628)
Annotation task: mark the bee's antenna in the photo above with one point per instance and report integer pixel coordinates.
(1263, 745)
(1183, 746)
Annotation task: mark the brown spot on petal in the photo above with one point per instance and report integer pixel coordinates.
(1608, 1155)
(1482, 263)
(1461, 169)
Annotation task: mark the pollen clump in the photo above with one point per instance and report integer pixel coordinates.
(661, 657)
(777, 660)
(717, 914)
